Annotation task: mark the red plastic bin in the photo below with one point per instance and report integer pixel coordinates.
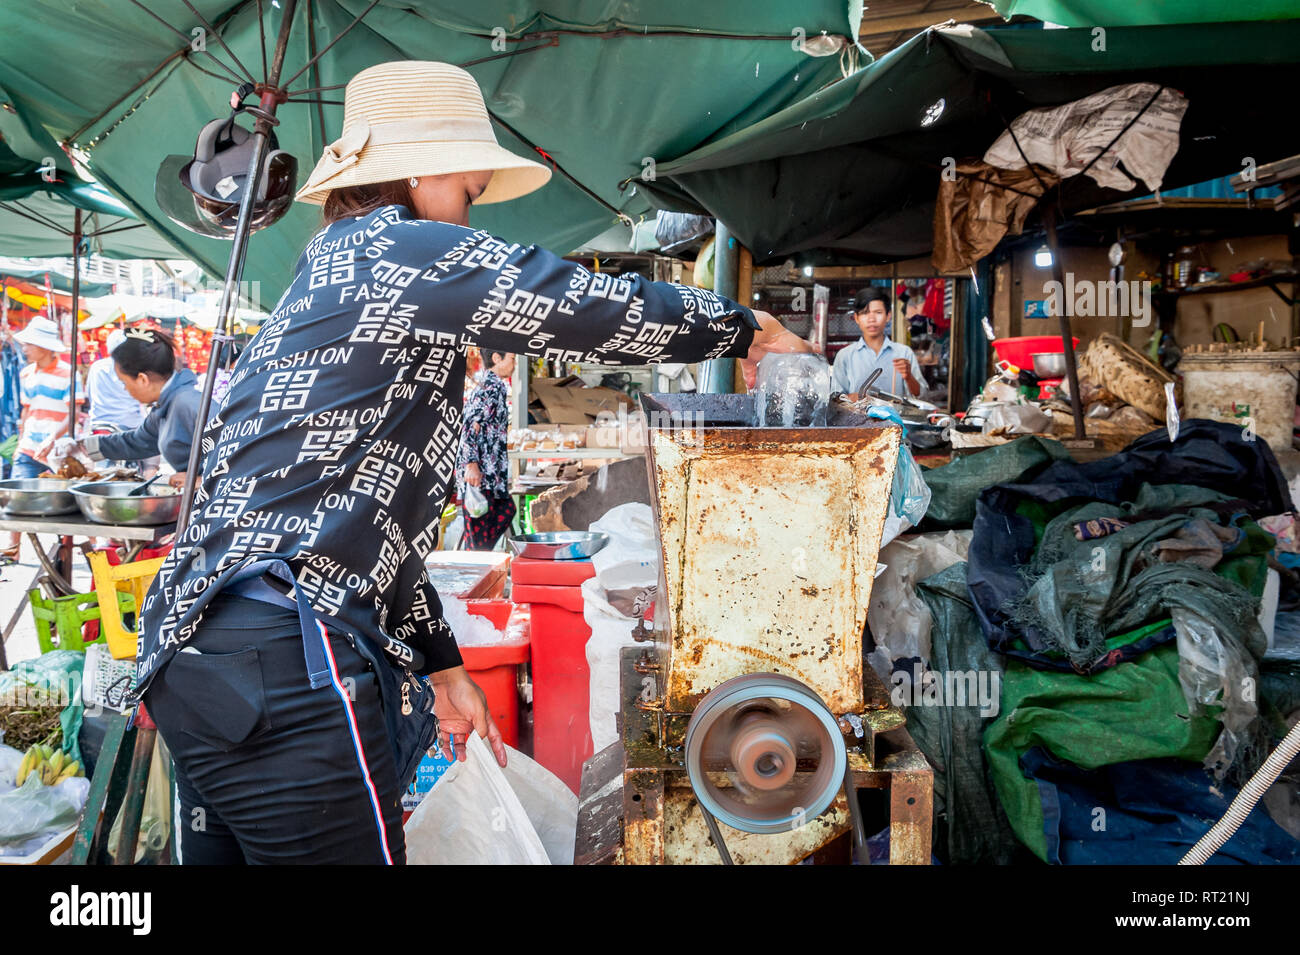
(561, 677)
(495, 667)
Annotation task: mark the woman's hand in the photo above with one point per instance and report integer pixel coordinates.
(473, 476)
(460, 707)
(772, 337)
(176, 480)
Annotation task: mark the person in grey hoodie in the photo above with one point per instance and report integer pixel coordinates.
(147, 365)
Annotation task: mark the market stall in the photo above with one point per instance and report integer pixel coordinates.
(799, 624)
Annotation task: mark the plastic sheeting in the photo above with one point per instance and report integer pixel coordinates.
(1085, 598)
(899, 619)
(1132, 711)
(1008, 517)
(1148, 812)
(970, 825)
(955, 487)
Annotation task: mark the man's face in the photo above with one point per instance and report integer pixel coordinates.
(874, 320)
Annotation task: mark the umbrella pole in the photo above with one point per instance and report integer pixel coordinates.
(235, 264)
(76, 306)
(1067, 339)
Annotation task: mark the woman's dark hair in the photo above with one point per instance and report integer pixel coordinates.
(147, 351)
(352, 201)
(871, 293)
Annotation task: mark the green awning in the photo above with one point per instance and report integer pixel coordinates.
(37, 216)
(855, 167)
(1122, 13)
(606, 91)
(58, 280)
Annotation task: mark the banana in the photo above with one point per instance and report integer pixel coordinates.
(56, 762)
(24, 768)
(70, 771)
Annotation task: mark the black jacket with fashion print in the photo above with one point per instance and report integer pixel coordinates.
(335, 446)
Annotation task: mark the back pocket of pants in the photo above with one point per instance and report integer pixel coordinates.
(219, 696)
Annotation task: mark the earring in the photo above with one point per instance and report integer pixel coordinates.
(414, 182)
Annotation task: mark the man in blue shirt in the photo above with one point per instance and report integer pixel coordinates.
(855, 363)
(110, 405)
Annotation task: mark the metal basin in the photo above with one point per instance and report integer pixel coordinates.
(558, 545)
(106, 502)
(37, 497)
(1049, 364)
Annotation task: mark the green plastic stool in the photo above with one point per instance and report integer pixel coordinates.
(68, 615)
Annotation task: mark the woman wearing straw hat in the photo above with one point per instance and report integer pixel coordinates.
(279, 641)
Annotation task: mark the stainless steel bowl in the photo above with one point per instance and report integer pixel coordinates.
(1049, 364)
(558, 545)
(37, 497)
(107, 502)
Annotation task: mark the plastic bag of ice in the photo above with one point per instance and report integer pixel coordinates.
(793, 391)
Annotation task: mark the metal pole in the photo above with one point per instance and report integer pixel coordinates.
(717, 375)
(1071, 370)
(235, 264)
(76, 307)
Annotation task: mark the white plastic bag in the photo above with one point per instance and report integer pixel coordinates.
(32, 813)
(476, 502)
(480, 814)
(631, 558)
(1018, 419)
(611, 631)
(627, 576)
(900, 620)
(1216, 671)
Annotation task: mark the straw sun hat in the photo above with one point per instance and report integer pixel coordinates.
(418, 119)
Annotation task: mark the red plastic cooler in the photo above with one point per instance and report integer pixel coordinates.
(561, 728)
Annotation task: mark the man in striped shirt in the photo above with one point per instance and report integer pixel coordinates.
(45, 387)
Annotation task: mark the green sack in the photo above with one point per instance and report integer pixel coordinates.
(1135, 710)
(955, 487)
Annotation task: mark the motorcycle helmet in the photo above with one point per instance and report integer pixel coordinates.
(202, 193)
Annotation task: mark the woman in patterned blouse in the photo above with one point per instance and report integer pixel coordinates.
(483, 462)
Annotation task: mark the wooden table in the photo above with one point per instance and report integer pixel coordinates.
(56, 563)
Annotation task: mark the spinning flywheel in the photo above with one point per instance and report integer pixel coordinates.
(764, 755)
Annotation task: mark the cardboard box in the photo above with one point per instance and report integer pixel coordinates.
(569, 401)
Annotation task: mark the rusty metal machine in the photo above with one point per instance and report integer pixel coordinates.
(750, 724)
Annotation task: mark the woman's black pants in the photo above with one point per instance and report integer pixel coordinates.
(269, 770)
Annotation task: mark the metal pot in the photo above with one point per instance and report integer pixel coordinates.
(108, 502)
(37, 497)
(1049, 364)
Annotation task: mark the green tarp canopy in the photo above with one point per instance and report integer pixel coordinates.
(853, 168)
(37, 215)
(606, 92)
(1118, 13)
